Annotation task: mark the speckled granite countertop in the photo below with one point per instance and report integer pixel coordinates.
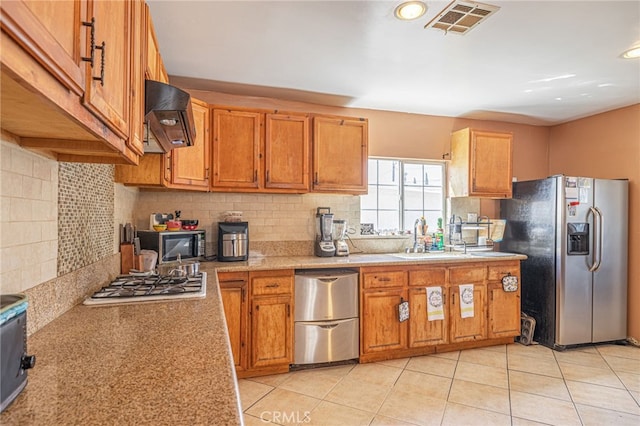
(154, 363)
(355, 260)
(149, 363)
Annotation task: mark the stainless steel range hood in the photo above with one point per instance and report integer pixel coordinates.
(168, 116)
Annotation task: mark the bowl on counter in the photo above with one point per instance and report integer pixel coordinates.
(160, 227)
(174, 225)
(189, 224)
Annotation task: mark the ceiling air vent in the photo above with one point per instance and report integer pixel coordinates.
(461, 16)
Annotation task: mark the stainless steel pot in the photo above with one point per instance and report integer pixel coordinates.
(179, 269)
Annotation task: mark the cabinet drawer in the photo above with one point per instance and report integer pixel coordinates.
(384, 279)
(427, 277)
(467, 275)
(271, 285)
(496, 272)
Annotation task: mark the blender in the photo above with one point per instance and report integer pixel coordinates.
(342, 248)
(324, 246)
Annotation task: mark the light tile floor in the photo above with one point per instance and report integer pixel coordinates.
(500, 385)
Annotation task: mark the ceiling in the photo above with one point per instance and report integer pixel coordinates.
(531, 62)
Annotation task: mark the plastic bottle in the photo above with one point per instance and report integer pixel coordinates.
(440, 235)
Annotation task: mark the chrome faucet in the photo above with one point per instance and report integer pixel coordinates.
(422, 223)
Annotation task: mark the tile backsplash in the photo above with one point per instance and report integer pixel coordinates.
(29, 217)
(85, 214)
(273, 218)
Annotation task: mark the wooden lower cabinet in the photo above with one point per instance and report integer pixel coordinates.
(504, 306)
(470, 328)
(381, 330)
(258, 308)
(271, 331)
(423, 332)
(234, 292)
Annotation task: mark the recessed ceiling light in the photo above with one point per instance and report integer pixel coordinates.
(633, 52)
(410, 10)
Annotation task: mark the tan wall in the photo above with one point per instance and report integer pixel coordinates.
(607, 146)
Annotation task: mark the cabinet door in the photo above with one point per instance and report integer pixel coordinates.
(287, 152)
(190, 165)
(475, 327)
(340, 155)
(108, 82)
(53, 33)
(380, 328)
(491, 172)
(138, 36)
(151, 71)
(423, 332)
(471, 328)
(271, 331)
(236, 149)
(153, 170)
(234, 300)
(504, 311)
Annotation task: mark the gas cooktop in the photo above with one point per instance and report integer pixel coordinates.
(139, 288)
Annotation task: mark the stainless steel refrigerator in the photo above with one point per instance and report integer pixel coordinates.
(574, 232)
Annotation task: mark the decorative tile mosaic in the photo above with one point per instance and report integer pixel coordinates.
(85, 214)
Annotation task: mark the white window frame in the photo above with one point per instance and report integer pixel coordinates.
(401, 188)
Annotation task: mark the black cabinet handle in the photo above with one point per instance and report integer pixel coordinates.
(102, 48)
(92, 36)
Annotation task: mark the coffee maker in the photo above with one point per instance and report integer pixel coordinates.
(342, 248)
(233, 241)
(324, 246)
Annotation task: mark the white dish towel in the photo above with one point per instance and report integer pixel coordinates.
(435, 310)
(466, 300)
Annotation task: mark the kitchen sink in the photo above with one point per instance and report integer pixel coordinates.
(428, 255)
(492, 254)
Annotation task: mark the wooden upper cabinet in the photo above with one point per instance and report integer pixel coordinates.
(138, 64)
(340, 154)
(190, 165)
(52, 33)
(153, 170)
(151, 71)
(180, 168)
(287, 152)
(46, 72)
(155, 69)
(107, 92)
(481, 164)
(237, 144)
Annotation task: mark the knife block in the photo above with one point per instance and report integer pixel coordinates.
(127, 258)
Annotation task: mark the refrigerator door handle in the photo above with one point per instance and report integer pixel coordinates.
(597, 239)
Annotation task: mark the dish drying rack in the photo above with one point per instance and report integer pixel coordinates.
(459, 240)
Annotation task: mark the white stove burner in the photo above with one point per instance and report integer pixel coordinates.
(138, 288)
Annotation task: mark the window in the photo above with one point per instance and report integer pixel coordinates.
(401, 191)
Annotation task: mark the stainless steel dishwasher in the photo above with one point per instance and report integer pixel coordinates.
(326, 316)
